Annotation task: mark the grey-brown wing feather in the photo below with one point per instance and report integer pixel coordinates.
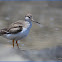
(13, 28)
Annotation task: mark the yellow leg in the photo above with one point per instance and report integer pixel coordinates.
(17, 44)
(13, 43)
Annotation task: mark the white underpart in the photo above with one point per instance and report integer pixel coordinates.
(24, 29)
(17, 36)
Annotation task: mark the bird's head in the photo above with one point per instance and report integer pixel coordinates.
(29, 17)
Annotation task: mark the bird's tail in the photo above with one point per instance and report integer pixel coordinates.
(2, 31)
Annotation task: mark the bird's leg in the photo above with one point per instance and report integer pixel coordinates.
(17, 44)
(13, 43)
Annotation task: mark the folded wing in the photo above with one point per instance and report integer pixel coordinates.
(13, 28)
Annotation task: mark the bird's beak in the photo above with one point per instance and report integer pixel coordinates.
(35, 21)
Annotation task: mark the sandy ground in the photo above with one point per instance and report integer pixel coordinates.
(43, 42)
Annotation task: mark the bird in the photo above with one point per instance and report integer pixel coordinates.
(18, 30)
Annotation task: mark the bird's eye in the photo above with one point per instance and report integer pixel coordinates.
(29, 16)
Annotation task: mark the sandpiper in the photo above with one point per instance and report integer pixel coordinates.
(18, 29)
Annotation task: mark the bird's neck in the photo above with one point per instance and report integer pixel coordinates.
(29, 23)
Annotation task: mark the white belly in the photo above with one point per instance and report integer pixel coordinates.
(17, 36)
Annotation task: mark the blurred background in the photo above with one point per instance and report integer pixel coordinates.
(44, 41)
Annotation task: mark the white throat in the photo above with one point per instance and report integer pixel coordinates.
(27, 18)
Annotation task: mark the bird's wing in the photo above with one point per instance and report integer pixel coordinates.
(16, 27)
(17, 23)
(13, 28)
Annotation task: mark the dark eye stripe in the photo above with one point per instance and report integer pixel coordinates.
(29, 16)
